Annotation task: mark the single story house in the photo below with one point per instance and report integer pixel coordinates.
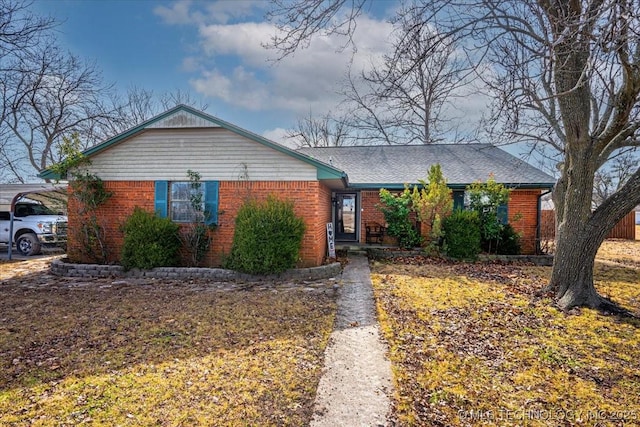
(147, 166)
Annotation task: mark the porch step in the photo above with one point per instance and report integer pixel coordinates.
(352, 249)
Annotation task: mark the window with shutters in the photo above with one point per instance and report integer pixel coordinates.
(186, 202)
(176, 199)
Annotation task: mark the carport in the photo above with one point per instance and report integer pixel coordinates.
(48, 194)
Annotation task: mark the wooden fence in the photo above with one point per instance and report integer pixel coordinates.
(625, 229)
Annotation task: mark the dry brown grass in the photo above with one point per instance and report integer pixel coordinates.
(625, 252)
(471, 344)
(163, 353)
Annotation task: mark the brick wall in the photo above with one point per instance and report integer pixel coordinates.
(125, 196)
(369, 213)
(524, 204)
(312, 202)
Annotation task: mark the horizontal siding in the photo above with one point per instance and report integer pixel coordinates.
(216, 153)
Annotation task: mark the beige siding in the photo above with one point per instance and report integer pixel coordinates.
(216, 153)
(183, 119)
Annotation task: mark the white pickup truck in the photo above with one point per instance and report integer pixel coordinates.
(34, 226)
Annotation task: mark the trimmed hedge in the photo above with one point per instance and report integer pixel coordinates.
(462, 235)
(267, 238)
(149, 241)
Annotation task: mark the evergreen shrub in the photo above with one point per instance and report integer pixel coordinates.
(267, 238)
(509, 241)
(462, 235)
(149, 241)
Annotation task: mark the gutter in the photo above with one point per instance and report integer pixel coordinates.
(539, 220)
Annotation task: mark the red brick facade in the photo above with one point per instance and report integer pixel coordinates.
(523, 215)
(312, 202)
(369, 200)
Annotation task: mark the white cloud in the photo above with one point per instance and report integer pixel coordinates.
(178, 14)
(241, 88)
(279, 135)
(307, 80)
(183, 12)
(224, 11)
(190, 64)
(243, 40)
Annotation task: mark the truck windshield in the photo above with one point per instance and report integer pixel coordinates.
(33, 209)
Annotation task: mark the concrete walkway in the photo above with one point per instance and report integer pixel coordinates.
(356, 385)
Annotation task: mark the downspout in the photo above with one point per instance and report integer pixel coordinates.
(539, 220)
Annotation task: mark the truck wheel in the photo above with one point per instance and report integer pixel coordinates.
(28, 244)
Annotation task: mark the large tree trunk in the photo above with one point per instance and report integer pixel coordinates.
(577, 243)
(581, 232)
(572, 275)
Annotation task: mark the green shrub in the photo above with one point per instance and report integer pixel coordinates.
(267, 238)
(396, 210)
(509, 242)
(149, 241)
(486, 199)
(462, 235)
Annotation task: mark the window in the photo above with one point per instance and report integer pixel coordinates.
(461, 201)
(174, 200)
(182, 197)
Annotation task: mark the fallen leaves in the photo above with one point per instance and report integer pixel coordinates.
(159, 353)
(625, 252)
(474, 344)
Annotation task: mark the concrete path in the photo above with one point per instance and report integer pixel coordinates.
(356, 386)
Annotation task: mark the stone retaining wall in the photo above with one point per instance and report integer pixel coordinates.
(541, 260)
(61, 268)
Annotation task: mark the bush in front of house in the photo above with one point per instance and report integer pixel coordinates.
(462, 235)
(509, 241)
(267, 238)
(149, 241)
(396, 209)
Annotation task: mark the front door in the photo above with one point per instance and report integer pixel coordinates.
(346, 217)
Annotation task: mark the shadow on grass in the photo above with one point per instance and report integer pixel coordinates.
(49, 330)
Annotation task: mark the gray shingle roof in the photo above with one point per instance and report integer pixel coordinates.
(462, 164)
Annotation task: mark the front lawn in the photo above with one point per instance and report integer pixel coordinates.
(621, 251)
(162, 353)
(471, 344)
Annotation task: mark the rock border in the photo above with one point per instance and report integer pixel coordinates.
(539, 260)
(66, 269)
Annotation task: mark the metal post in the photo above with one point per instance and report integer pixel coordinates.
(10, 231)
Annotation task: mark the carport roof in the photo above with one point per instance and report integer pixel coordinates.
(10, 193)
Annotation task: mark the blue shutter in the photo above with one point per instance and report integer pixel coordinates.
(503, 214)
(211, 202)
(458, 200)
(162, 191)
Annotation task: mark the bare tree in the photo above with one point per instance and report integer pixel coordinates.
(47, 93)
(20, 31)
(52, 94)
(136, 106)
(409, 98)
(300, 20)
(566, 79)
(172, 98)
(613, 175)
(326, 131)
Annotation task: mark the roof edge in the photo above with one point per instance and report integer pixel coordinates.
(325, 171)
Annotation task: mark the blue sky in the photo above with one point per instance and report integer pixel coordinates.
(213, 49)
